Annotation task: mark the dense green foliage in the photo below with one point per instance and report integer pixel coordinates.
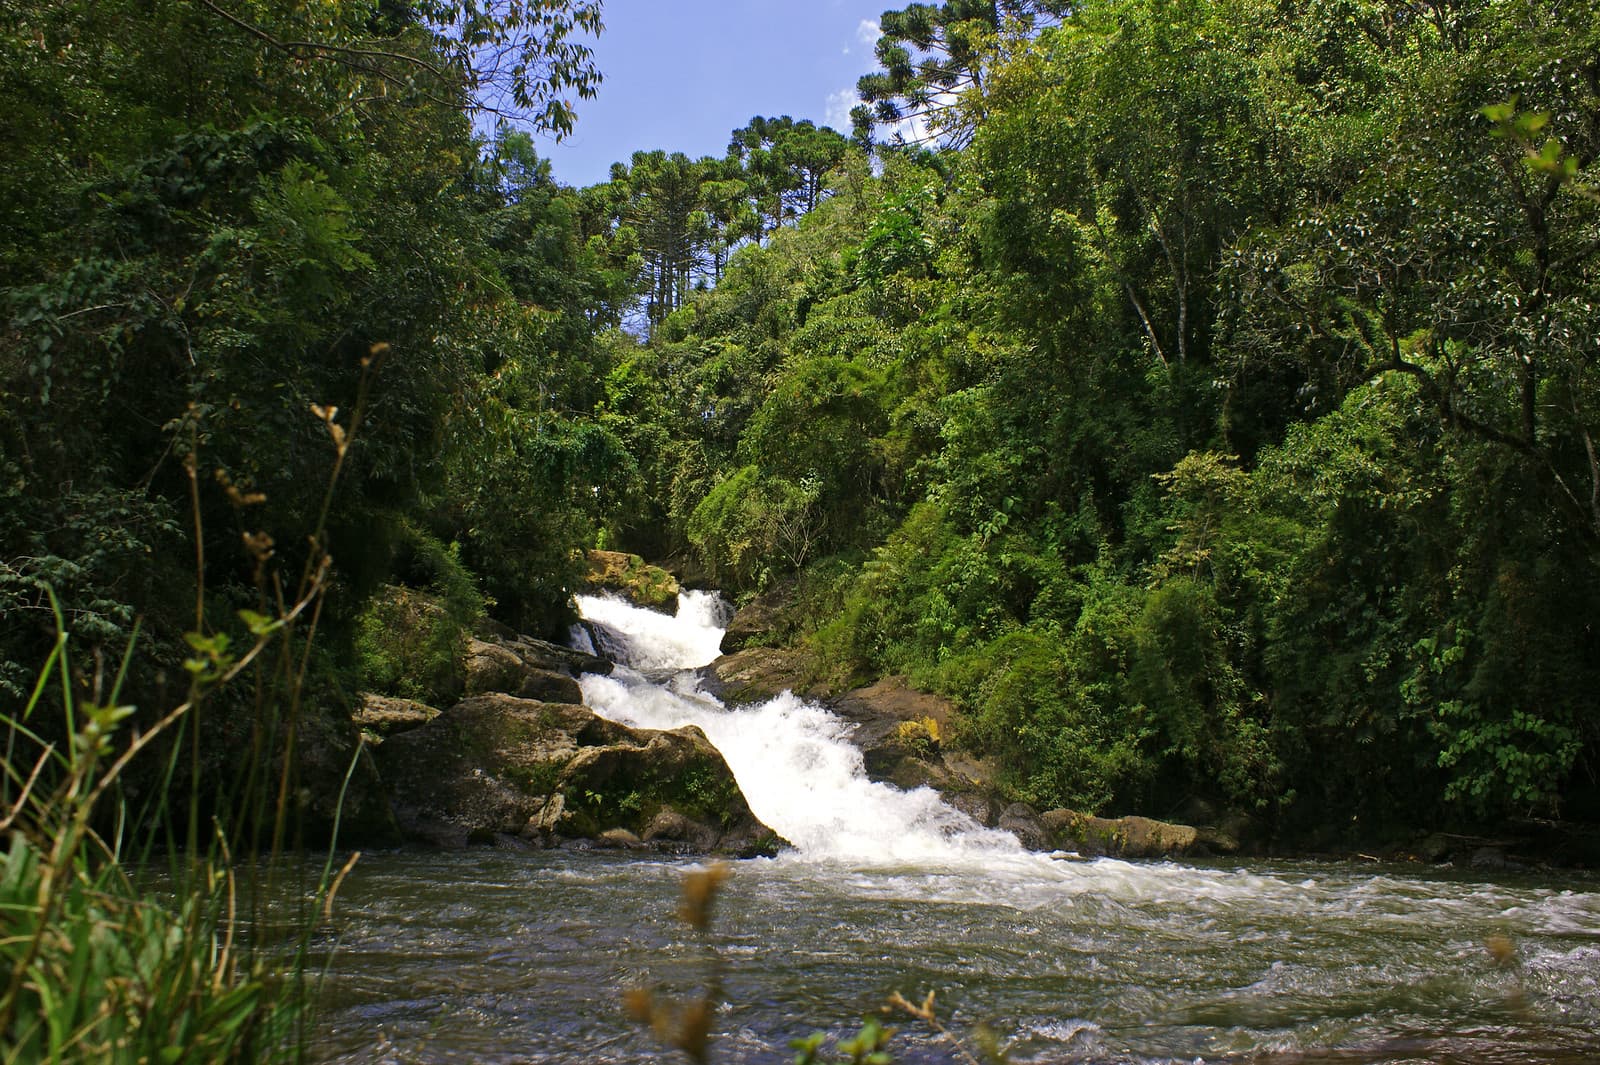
(1217, 424)
(1211, 415)
(208, 233)
(275, 329)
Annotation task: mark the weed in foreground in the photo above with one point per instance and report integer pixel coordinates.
(102, 957)
(687, 1026)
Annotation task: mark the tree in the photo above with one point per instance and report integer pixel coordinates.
(786, 164)
(935, 60)
(512, 59)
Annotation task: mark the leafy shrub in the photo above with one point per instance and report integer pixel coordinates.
(410, 641)
(1058, 745)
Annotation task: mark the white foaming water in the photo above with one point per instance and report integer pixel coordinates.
(650, 640)
(803, 778)
(792, 759)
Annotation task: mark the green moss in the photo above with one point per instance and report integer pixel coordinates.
(411, 637)
(539, 778)
(644, 584)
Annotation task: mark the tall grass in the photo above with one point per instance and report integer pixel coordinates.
(140, 936)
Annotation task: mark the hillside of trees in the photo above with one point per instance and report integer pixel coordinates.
(1206, 402)
(1202, 395)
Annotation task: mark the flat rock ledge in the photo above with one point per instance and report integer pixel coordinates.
(498, 768)
(383, 716)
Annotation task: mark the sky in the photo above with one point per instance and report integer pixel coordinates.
(684, 74)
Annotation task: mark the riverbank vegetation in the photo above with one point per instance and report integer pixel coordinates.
(1202, 395)
(1206, 405)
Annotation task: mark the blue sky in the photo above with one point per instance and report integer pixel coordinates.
(684, 74)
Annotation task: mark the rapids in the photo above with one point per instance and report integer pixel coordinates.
(495, 956)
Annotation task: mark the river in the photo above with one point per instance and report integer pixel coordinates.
(493, 956)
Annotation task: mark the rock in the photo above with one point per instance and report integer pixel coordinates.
(1022, 821)
(755, 675)
(340, 784)
(671, 827)
(542, 654)
(900, 732)
(386, 716)
(496, 764)
(487, 628)
(976, 806)
(619, 839)
(1490, 857)
(634, 579)
(530, 668)
(1122, 837)
(759, 620)
(1221, 840)
(1433, 848)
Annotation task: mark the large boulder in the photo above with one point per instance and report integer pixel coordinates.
(634, 579)
(756, 674)
(500, 766)
(899, 730)
(384, 716)
(1024, 822)
(516, 667)
(1121, 837)
(761, 620)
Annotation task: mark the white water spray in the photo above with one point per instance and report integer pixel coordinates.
(793, 759)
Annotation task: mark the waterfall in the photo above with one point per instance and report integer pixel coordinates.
(792, 758)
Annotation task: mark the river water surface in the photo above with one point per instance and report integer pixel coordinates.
(501, 956)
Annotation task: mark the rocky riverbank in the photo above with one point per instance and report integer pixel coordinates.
(520, 761)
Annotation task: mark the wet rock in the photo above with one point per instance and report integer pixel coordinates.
(673, 829)
(760, 621)
(1121, 837)
(634, 579)
(881, 709)
(1022, 821)
(1490, 858)
(901, 734)
(619, 839)
(755, 675)
(496, 764)
(385, 716)
(976, 806)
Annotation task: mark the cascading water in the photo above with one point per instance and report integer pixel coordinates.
(501, 957)
(793, 759)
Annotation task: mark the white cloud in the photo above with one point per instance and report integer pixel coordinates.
(838, 112)
(868, 31)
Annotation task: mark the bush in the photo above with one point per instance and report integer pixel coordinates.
(1058, 744)
(411, 639)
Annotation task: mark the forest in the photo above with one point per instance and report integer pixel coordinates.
(1201, 394)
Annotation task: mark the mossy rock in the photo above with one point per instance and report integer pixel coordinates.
(495, 765)
(409, 645)
(634, 579)
(1121, 837)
